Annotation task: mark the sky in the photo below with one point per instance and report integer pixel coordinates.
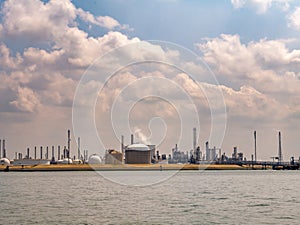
(153, 68)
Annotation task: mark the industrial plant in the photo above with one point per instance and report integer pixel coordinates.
(142, 154)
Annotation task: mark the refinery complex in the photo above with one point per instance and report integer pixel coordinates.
(141, 154)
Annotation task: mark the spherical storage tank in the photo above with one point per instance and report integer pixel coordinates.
(137, 154)
(94, 159)
(4, 161)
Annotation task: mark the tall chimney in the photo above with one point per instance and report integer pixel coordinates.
(47, 152)
(78, 148)
(69, 142)
(58, 156)
(132, 139)
(194, 140)
(28, 156)
(52, 155)
(255, 145)
(3, 149)
(207, 151)
(122, 144)
(0, 150)
(41, 153)
(280, 158)
(34, 152)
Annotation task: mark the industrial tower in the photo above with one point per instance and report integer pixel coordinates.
(280, 157)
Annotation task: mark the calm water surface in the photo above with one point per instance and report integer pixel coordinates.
(189, 197)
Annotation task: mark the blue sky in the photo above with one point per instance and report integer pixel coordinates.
(187, 22)
(251, 46)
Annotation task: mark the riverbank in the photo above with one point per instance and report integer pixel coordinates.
(131, 167)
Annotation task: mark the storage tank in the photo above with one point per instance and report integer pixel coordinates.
(137, 154)
(4, 161)
(65, 161)
(94, 159)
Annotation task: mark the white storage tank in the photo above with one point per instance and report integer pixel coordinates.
(94, 159)
(4, 161)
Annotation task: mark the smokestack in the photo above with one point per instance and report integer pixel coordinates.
(3, 149)
(69, 142)
(27, 154)
(194, 140)
(47, 152)
(279, 148)
(52, 155)
(58, 156)
(41, 153)
(0, 150)
(255, 145)
(207, 151)
(34, 152)
(122, 144)
(78, 148)
(64, 153)
(132, 139)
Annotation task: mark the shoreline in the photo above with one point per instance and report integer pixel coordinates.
(131, 167)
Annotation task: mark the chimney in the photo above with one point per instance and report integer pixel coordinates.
(122, 144)
(0, 150)
(194, 140)
(132, 139)
(255, 145)
(280, 158)
(78, 148)
(69, 142)
(47, 152)
(58, 156)
(52, 155)
(28, 156)
(41, 153)
(34, 152)
(65, 151)
(3, 149)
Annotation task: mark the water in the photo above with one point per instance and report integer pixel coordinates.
(190, 197)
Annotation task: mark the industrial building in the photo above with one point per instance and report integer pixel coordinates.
(138, 154)
(211, 153)
(178, 156)
(113, 157)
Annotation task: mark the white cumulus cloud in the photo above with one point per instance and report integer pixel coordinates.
(102, 21)
(261, 6)
(294, 19)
